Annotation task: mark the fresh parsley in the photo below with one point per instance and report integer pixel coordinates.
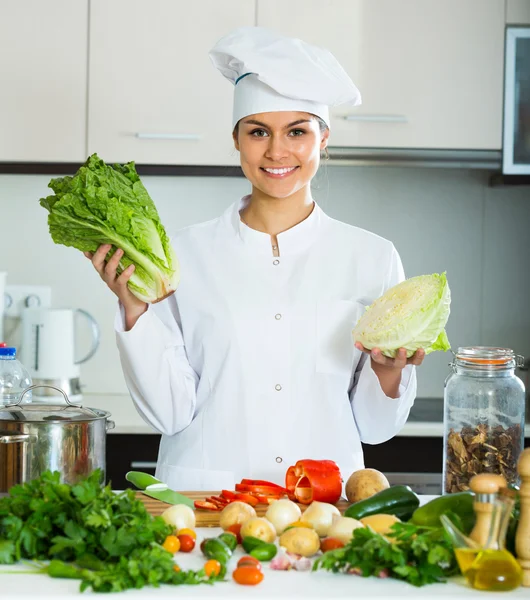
(107, 540)
(418, 555)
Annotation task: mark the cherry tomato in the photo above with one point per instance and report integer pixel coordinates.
(249, 561)
(171, 544)
(187, 531)
(328, 544)
(236, 529)
(212, 567)
(187, 543)
(247, 576)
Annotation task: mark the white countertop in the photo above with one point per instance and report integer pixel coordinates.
(127, 419)
(276, 585)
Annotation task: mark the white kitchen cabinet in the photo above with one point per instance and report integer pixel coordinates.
(430, 72)
(518, 12)
(43, 71)
(154, 96)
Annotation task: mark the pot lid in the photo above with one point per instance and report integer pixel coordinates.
(41, 413)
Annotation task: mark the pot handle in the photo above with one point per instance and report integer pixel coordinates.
(110, 424)
(14, 438)
(32, 387)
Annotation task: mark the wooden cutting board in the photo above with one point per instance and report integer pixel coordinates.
(205, 518)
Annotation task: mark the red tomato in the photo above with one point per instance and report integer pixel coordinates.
(328, 544)
(187, 543)
(236, 530)
(249, 561)
(247, 576)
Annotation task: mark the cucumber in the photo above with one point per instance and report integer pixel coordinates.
(398, 500)
(230, 539)
(460, 503)
(250, 542)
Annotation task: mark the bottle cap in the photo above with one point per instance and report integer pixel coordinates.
(6, 351)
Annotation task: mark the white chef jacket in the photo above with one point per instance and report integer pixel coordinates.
(250, 365)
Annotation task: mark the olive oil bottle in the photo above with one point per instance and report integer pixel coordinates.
(494, 568)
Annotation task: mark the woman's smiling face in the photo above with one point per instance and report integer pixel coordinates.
(280, 151)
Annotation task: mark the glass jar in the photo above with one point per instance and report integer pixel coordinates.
(484, 404)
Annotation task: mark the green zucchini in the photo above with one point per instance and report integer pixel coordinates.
(398, 500)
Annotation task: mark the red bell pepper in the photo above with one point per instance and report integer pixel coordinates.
(311, 480)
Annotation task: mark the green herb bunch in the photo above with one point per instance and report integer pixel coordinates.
(416, 554)
(107, 540)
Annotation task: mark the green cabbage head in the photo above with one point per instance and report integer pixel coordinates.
(104, 204)
(410, 315)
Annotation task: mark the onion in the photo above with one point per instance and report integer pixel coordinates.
(342, 528)
(320, 516)
(180, 516)
(283, 513)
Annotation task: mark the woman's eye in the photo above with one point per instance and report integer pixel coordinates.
(258, 132)
(296, 132)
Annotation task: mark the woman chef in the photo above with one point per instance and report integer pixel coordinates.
(250, 365)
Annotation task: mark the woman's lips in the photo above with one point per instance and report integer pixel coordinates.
(280, 173)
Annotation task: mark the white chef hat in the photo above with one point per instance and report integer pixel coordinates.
(272, 72)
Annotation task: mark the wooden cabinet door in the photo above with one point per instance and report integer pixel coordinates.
(43, 79)
(154, 96)
(430, 73)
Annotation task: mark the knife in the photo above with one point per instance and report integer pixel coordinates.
(154, 488)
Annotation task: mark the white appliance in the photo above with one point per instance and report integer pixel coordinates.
(48, 349)
(3, 277)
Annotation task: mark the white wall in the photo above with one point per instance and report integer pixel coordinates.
(438, 219)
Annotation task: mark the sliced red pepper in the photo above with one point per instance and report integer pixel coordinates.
(261, 482)
(218, 501)
(314, 480)
(228, 494)
(267, 499)
(248, 498)
(262, 490)
(205, 505)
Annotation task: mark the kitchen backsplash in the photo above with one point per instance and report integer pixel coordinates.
(438, 219)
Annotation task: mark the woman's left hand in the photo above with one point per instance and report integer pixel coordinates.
(399, 362)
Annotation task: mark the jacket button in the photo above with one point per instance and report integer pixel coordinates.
(277, 387)
(279, 459)
(278, 316)
(276, 262)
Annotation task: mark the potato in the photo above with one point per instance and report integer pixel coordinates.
(380, 523)
(300, 540)
(365, 483)
(235, 513)
(259, 527)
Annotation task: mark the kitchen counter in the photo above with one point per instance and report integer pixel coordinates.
(425, 419)
(277, 585)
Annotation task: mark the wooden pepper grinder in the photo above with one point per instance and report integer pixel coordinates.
(522, 535)
(486, 486)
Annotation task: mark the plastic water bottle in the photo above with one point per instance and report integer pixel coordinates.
(14, 377)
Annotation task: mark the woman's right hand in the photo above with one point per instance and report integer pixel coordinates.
(133, 306)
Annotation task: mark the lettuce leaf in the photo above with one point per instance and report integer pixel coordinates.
(410, 315)
(104, 204)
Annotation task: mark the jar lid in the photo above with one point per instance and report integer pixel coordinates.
(488, 356)
(39, 413)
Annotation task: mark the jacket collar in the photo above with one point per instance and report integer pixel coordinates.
(294, 240)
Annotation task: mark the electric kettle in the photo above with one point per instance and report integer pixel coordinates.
(48, 348)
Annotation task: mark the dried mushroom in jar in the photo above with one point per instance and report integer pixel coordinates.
(481, 449)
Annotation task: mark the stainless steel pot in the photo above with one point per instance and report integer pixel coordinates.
(38, 437)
